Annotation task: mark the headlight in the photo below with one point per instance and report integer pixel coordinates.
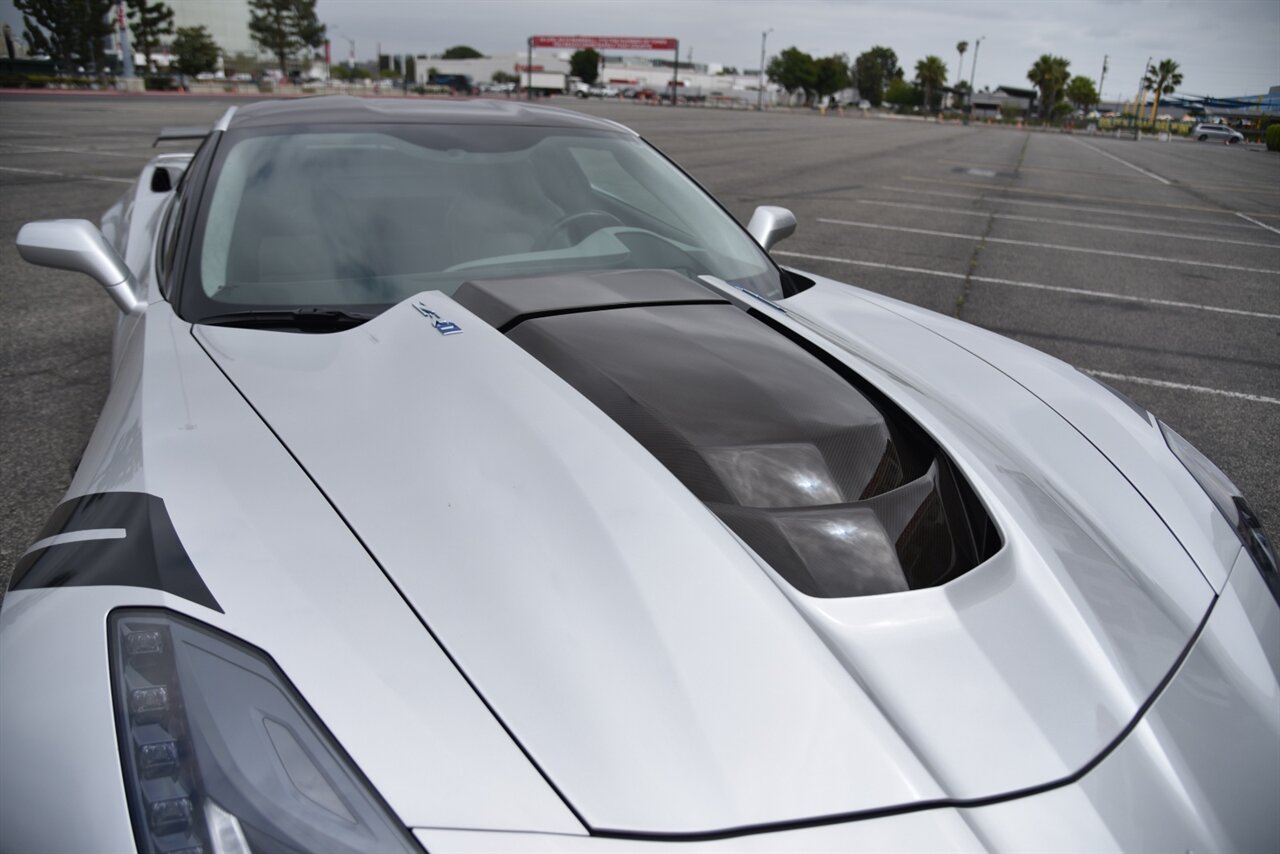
(1226, 495)
(220, 754)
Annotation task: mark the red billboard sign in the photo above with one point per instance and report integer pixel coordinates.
(605, 42)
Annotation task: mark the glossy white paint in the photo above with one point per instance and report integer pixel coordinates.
(641, 657)
(69, 795)
(1177, 783)
(1201, 772)
(1133, 444)
(1063, 634)
(293, 581)
(542, 514)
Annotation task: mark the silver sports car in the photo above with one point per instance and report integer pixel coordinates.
(472, 481)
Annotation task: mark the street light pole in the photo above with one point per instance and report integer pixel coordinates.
(973, 75)
(760, 90)
(1102, 79)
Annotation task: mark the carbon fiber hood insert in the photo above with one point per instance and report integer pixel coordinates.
(832, 484)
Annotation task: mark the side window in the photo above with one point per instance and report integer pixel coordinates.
(171, 228)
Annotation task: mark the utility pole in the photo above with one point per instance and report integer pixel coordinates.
(973, 75)
(760, 91)
(1102, 79)
(1139, 101)
(126, 52)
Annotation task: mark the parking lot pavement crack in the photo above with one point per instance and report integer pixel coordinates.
(972, 268)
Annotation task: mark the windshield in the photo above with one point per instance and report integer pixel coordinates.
(359, 220)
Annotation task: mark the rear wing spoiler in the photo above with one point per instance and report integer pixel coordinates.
(180, 134)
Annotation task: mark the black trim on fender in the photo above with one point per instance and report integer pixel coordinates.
(148, 555)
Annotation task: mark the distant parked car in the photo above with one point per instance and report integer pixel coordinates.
(1205, 131)
(598, 91)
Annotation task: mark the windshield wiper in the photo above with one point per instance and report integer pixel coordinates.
(311, 319)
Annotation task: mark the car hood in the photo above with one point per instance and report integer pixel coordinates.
(659, 673)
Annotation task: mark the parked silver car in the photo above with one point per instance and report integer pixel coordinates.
(1205, 131)
(470, 480)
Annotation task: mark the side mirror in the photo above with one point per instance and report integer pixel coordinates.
(77, 245)
(770, 225)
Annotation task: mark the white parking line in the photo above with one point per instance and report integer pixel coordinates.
(1033, 244)
(1122, 161)
(1031, 285)
(1062, 194)
(1077, 173)
(1107, 375)
(89, 151)
(1067, 222)
(1259, 224)
(997, 199)
(65, 175)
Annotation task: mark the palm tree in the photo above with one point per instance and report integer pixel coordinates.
(931, 74)
(1049, 74)
(960, 49)
(1163, 79)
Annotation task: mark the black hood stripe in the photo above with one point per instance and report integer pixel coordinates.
(148, 555)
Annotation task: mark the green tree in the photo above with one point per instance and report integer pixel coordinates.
(902, 94)
(246, 63)
(194, 51)
(793, 70)
(585, 65)
(961, 48)
(931, 76)
(501, 76)
(1163, 79)
(1049, 74)
(1081, 92)
(285, 28)
(873, 71)
(70, 33)
(462, 51)
(149, 21)
(831, 74)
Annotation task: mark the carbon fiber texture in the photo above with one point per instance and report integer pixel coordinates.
(794, 458)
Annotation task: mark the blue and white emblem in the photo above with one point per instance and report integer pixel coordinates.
(444, 327)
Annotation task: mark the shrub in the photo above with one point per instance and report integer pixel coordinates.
(160, 83)
(1273, 138)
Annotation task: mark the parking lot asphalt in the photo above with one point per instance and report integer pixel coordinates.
(1153, 266)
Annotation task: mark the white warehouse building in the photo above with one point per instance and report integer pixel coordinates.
(695, 80)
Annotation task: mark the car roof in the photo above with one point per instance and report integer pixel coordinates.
(346, 109)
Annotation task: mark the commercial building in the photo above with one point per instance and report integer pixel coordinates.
(226, 20)
(1005, 99)
(698, 80)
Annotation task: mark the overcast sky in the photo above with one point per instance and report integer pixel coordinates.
(1224, 47)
